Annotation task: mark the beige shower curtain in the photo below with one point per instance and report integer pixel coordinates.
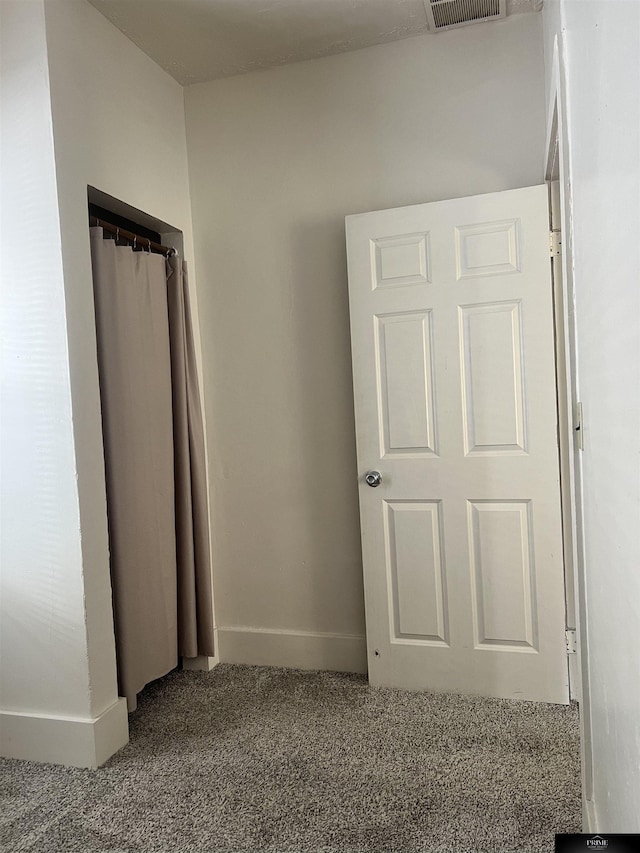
(154, 463)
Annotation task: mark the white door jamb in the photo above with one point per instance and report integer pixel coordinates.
(557, 174)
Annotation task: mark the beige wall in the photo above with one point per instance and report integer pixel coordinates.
(276, 160)
(87, 108)
(55, 703)
(118, 124)
(42, 622)
(599, 44)
(120, 130)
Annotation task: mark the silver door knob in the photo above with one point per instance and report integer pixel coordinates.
(373, 478)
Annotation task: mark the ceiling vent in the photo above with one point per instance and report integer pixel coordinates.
(446, 14)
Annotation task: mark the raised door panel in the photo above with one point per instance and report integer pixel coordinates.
(415, 571)
(405, 384)
(487, 249)
(502, 575)
(492, 378)
(400, 260)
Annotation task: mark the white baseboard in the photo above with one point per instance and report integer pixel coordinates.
(590, 815)
(203, 663)
(293, 649)
(70, 741)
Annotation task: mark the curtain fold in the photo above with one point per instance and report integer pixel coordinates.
(134, 362)
(195, 595)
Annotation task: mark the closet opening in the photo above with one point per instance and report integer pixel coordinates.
(118, 213)
(153, 440)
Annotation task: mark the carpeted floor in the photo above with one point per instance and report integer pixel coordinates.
(282, 761)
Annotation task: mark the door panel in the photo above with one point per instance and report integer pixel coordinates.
(501, 567)
(416, 571)
(492, 392)
(405, 384)
(454, 383)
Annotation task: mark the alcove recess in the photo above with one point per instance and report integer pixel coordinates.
(123, 215)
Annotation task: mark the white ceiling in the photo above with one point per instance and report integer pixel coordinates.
(199, 40)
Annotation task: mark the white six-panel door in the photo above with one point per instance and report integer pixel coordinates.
(454, 382)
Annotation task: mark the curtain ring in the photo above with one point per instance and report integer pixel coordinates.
(135, 242)
(117, 235)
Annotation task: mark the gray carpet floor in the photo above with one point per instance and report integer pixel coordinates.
(283, 761)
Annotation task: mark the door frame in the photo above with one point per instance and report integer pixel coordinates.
(557, 169)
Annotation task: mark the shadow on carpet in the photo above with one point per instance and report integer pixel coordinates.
(283, 761)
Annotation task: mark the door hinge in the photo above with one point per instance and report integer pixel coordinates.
(579, 426)
(571, 641)
(555, 243)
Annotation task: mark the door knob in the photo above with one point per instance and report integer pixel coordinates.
(373, 478)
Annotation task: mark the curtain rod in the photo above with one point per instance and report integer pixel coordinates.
(130, 237)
